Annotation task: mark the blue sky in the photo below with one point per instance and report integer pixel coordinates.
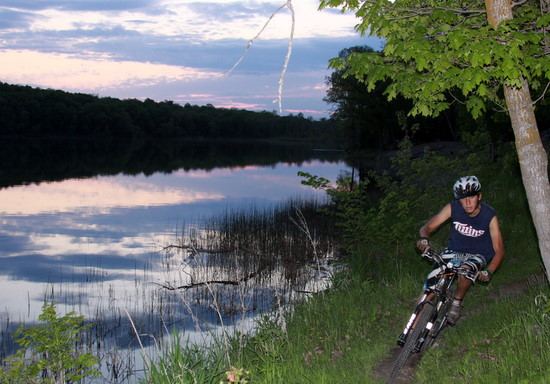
(176, 50)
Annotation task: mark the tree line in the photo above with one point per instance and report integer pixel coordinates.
(34, 112)
(367, 119)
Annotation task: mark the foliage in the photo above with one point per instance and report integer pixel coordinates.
(414, 183)
(236, 375)
(478, 52)
(368, 120)
(49, 351)
(35, 112)
(361, 111)
(439, 47)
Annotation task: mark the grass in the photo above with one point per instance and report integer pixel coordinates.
(507, 342)
(343, 334)
(193, 364)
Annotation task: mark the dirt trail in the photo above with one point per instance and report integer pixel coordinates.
(383, 370)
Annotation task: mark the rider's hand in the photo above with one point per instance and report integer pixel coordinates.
(484, 276)
(423, 243)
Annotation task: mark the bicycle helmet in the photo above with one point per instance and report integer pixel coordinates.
(466, 186)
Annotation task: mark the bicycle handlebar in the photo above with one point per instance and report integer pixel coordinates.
(449, 266)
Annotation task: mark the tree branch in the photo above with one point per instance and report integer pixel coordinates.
(430, 10)
(242, 280)
(518, 3)
(194, 249)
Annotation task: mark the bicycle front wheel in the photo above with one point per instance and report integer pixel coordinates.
(425, 315)
(440, 322)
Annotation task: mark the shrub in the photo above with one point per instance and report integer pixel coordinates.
(48, 352)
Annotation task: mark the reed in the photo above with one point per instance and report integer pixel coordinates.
(230, 268)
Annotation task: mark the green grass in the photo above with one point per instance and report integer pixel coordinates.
(192, 364)
(342, 335)
(507, 342)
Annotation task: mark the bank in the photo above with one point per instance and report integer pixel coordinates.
(347, 334)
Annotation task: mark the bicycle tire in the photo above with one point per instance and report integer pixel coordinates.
(439, 323)
(410, 344)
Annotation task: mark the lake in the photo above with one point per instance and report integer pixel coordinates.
(93, 234)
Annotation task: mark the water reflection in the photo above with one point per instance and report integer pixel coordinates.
(92, 245)
(98, 196)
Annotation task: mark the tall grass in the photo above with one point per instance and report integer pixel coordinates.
(241, 263)
(192, 364)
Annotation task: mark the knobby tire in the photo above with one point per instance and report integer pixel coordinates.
(407, 349)
(439, 323)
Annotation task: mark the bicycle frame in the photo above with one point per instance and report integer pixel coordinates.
(430, 314)
(439, 297)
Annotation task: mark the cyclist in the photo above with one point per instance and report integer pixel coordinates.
(475, 240)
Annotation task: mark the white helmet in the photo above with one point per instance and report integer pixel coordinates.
(466, 186)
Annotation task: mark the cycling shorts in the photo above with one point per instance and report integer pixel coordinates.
(475, 262)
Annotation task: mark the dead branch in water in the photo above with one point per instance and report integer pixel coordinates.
(209, 282)
(196, 250)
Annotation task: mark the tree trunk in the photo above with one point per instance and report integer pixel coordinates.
(533, 159)
(533, 162)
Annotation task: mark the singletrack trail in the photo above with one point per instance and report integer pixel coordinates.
(382, 371)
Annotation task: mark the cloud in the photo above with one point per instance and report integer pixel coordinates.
(72, 5)
(94, 73)
(162, 49)
(222, 11)
(11, 19)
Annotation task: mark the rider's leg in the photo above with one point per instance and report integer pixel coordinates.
(463, 285)
(456, 305)
(474, 263)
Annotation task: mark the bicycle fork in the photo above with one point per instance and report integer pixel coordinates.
(429, 326)
(411, 322)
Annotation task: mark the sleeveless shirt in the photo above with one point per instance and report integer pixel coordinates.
(471, 234)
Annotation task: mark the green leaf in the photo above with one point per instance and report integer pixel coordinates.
(476, 106)
(420, 63)
(479, 76)
(482, 90)
(431, 49)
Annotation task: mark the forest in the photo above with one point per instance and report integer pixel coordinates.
(360, 119)
(34, 112)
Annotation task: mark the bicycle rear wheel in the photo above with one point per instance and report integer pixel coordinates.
(425, 315)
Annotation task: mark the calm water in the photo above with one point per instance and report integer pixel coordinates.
(94, 244)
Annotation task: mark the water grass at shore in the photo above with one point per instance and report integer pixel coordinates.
(347, 334)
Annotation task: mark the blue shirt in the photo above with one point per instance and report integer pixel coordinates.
(471, 234)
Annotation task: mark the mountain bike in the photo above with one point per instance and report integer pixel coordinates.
(430, 314)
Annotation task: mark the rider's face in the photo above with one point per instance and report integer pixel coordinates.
(470, 204)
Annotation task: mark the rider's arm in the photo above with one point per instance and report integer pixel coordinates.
(498, 245)
(436, 221)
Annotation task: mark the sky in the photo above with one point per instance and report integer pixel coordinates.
(178, 50)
